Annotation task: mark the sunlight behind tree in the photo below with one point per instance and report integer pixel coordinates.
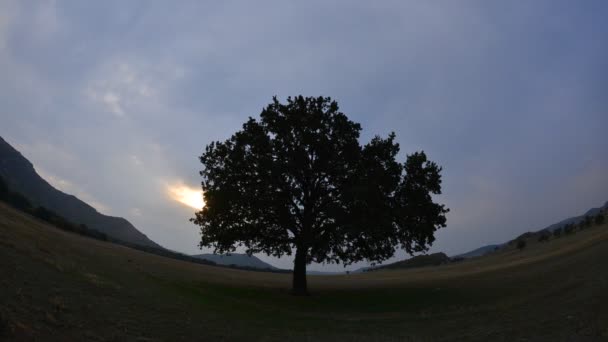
(186, 195)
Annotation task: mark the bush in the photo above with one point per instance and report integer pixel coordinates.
(521, 244)
(586, 223)
(544, 236)
(43, 214)
(557, 232)
(569, 229)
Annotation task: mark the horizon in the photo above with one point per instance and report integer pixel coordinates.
(506, 98)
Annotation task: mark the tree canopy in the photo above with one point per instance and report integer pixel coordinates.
(297, 181)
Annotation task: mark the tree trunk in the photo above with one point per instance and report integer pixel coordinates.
(299, 273)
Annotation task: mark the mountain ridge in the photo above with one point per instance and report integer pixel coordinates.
(21, 176)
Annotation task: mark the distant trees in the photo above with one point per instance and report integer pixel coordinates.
(298, 181)
(587, 222)
(544, 236)
(16, 200)
(20, 202)
(599, 219)
(569, 228)
(558, 232)
(3, 188)
(457, 259)
(521, 244)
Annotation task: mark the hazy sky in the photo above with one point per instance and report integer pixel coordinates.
(113, 101)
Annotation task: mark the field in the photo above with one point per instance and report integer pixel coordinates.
(57, 286)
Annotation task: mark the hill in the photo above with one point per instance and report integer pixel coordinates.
(59, 286)
(21, 177)
(576, 219)
(434, 259)
(481, 251)
(237, 259)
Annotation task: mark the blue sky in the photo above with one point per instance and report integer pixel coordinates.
(114, 100)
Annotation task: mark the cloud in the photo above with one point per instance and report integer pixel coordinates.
(136, 212)
(46, 22)
(135, 160)
(132, 85)
(118, 88)
(8, 11)
(127, 96)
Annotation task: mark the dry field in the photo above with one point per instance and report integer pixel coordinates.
(57, 286)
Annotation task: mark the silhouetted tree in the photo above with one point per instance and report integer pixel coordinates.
(298, 181)
(521, 244)
(569, 228)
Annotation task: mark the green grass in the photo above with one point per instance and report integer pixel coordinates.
(60, 286)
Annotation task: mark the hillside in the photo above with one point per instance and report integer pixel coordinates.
(242, 260)
(21, 177)
(576, 219)
(59, 286)
(481, 251)
(424, 260)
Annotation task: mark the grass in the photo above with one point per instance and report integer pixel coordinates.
(60, 286)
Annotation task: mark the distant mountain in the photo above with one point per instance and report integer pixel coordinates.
(21, 177)
(236, 259)
(575, 219)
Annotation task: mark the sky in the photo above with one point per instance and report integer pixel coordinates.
(113, 101)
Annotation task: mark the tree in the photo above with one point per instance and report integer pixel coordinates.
(586, 223)
(557, 232)
(544, 236)
(3, 188)
(600, 219)
(521, 244)
(297, 181)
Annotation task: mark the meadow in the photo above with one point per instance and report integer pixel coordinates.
(59, 286)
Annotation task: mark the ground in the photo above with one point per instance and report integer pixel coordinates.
(57, 286)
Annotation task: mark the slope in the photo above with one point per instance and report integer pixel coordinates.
(481, 251)
(59, 286)
(20, 175)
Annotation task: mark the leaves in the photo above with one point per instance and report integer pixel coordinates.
(298, 178)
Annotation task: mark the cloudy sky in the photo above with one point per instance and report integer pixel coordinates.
(113, 101)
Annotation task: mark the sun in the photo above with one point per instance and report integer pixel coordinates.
(186, 195)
